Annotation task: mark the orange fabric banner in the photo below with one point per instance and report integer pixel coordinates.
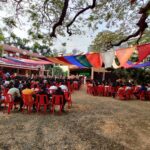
(123, 55)
(57, 61)
(95, 59)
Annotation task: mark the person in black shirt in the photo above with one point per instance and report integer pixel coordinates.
(60, 92)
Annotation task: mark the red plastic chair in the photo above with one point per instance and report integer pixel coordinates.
(136, 89)
(142, 95)
(28, 102)
(100, 90)
(5, 91)
(68, 98)
(57, 100)
(148, 95)
(8, 102)
(42, 100)
(75, 86)
(121, 94)
(129, 94)
(112, 90)
(88, 89)
(106, 91)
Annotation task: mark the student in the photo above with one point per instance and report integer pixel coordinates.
(64, 87)
(60, 92)
(14, 91)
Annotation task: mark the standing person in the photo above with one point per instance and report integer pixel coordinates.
(84, 80)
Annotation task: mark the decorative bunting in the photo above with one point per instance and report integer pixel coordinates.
(123, 55)
(95, 59)
(73, 61)
(56, 61)
(83, 60)
(91, 59)
(129, 64)
(108, 58)
(143, 51)
(115, 65)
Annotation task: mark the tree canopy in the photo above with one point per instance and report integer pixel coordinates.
(48, 18)
(103, 40)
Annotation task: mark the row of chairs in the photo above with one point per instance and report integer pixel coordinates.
(118, 92)
(41, 101)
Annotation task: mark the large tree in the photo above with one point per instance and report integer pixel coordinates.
(103, 40)
(24, 43)
(48, 18)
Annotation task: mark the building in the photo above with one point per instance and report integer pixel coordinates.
(10, 61)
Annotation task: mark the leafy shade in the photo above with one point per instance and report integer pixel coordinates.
(103, 40)
(49, 18)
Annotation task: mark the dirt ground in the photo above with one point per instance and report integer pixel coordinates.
(93, 123)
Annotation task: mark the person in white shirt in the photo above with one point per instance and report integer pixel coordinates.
(64, 87)
(14, 91)
(148, 87)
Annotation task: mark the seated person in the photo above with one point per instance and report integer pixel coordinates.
(29, 91)
(148, 87)
(52, 88)
(128, 86)
(35, 89)
(1, 97)
(141, 89)
(44, 91)
(60, 92)
(64, 87)
(14, 91)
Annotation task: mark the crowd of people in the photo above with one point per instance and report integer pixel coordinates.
(17, 86)
(119, 84)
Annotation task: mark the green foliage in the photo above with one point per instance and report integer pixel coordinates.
(23, 43)
(1, 37)
(64, 44)
(138, 75)
(103, 40)
(1, 50)
(42, 14)
(144, 39)
(58, 71)
(10, 22)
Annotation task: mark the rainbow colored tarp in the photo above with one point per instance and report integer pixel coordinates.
(81, 61)
(22, 61)
(108, 58)
(91, 59)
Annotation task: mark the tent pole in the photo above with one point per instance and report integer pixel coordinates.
(52, 72)
(92, 73)
(103, 78)
(68, 72)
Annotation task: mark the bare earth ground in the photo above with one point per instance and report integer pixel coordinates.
(93, 123)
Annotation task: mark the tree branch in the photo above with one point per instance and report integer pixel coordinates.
(142, 24)
(80, 12)
(61, 19)
(18, 7)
